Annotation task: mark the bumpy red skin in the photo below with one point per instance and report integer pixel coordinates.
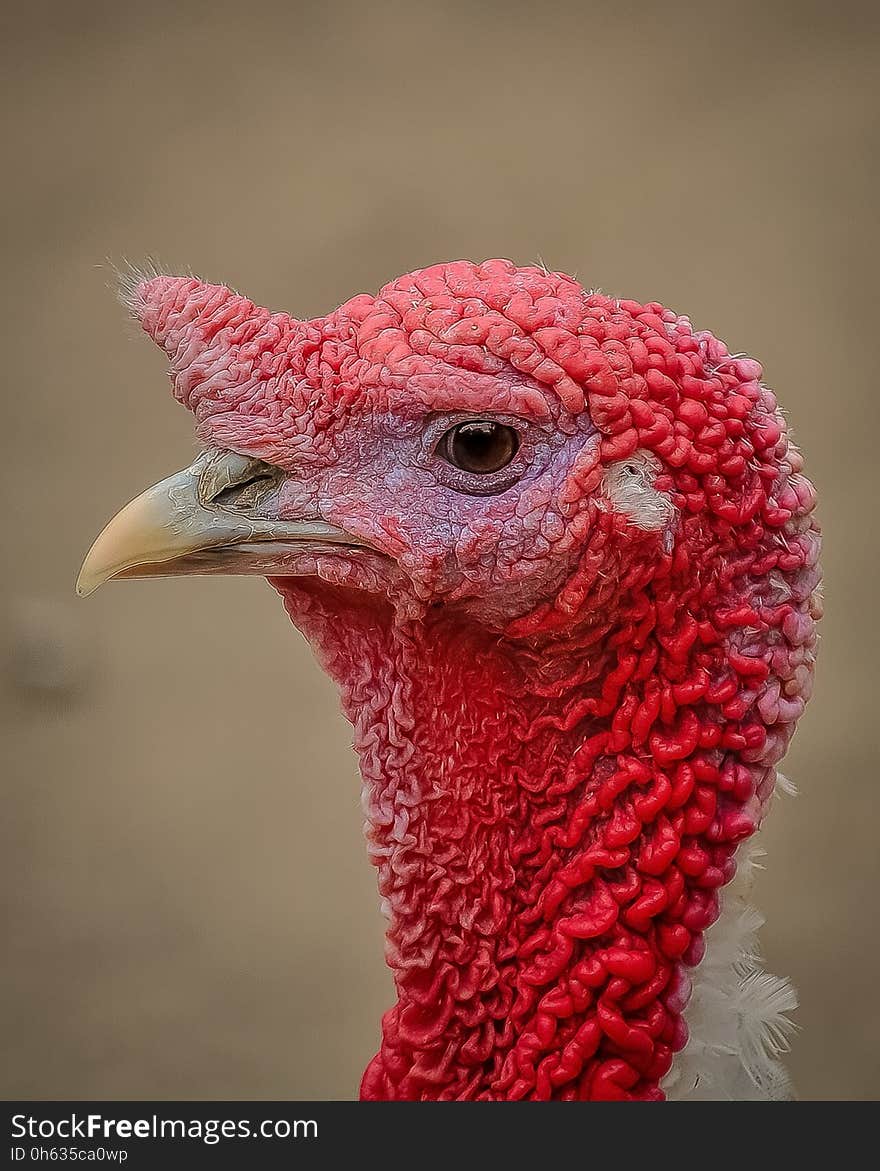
(566, 723)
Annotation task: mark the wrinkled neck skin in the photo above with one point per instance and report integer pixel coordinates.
(551, 826)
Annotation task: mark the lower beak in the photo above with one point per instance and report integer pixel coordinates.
(210, 518)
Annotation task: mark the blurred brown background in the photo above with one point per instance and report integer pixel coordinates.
(188, 907)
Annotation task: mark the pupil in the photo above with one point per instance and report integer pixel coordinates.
(482, 446)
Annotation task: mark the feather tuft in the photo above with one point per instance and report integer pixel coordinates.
(737, 1016)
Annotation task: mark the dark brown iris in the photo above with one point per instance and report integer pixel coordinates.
(480, 446)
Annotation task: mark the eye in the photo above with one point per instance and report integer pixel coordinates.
(480, 446)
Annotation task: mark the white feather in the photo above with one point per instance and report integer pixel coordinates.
(628, 486)
(737, 1014)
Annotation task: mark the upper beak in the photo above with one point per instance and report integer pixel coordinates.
(210, 518)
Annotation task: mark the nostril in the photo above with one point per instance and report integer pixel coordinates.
(229, 480)
(244, 494)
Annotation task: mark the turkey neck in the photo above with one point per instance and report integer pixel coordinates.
(487, 862)
(455, 767)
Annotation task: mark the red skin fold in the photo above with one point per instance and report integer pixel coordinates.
(566, 722)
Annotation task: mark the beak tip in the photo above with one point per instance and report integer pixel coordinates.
(87, 580)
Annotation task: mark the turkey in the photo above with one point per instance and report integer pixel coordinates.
(558, 553)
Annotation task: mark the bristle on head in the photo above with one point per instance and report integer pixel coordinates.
(129, 280)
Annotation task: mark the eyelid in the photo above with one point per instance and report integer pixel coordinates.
(440, 423)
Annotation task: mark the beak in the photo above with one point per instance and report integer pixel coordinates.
(213, 517)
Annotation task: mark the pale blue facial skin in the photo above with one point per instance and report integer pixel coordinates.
(497, 539)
